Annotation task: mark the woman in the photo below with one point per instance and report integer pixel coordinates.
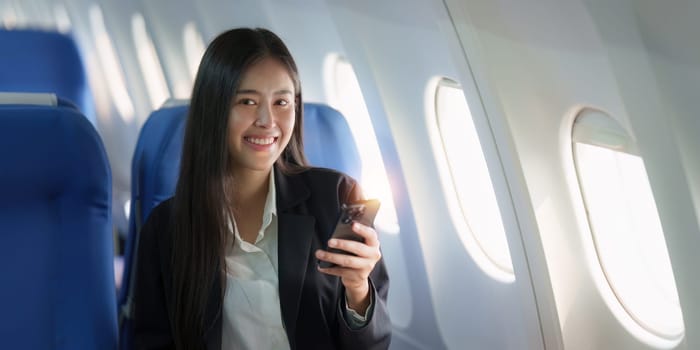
(231, 261)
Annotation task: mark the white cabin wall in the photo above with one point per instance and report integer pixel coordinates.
(305, 28)
(669, 34)
(166, 19)
(123, 131)
(310, 34)
(19, 14)
(36, 13)
(117, 18)
(217, 16)
(541, 61)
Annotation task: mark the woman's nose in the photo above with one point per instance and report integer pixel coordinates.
(265, 119)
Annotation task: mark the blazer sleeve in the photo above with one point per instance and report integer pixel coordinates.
(151, 322)
(376, 334)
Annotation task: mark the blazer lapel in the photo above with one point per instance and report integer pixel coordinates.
(295, 232)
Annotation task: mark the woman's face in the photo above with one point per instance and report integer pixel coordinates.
(262, 117)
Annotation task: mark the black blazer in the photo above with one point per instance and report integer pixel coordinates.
(307, 206)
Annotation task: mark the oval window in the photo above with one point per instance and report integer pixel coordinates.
(466, 181)
(624, 223)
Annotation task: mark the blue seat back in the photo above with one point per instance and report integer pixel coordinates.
(154, 172)
(328, 143)
(56, 243)
(44, 61)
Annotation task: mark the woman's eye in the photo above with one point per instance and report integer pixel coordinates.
(246, 101)
(282, 102)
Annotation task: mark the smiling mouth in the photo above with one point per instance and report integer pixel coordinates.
(261, 141)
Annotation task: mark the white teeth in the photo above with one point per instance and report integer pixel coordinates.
(258, 141)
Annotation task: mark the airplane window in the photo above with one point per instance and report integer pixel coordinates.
(150, 63)
(194, 47)
(110, 64)
(625, 224)
(63, 23)
(466, 182)
(344, 94)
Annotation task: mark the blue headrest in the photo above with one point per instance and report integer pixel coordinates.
(44, 61)
(55, 232)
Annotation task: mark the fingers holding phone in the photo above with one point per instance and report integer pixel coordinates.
(367, 248)
(351, 253)
(346, 232)
(353, 250)
(353, 270)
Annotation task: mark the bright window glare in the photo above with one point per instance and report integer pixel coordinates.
(110, 65)
(150, 63)
(127, 208)
(182, 88)
(194, 47)
(629, 238)
(346, 96)
(478, 215)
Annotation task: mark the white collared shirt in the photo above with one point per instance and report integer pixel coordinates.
(252, 318)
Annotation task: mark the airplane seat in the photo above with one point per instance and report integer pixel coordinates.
(55, 230)
(154, 171)
(328, 142)
(44, 62)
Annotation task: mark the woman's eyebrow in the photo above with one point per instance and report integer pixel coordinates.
(255, 92)
(247, 91)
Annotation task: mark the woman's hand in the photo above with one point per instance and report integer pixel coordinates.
(354, 270)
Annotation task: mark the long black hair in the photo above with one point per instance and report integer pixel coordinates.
(200, 231)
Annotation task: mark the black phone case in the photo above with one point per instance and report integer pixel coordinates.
(363, 212)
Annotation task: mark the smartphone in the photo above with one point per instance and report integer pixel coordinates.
(362, 212)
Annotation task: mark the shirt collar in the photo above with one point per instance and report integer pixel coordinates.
(270, 206)
(269, 210)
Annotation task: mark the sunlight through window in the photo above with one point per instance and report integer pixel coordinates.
(625, 224)
(344, 94)
(150, 63)
(194, 47)
(110, 65)
(467, 183)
